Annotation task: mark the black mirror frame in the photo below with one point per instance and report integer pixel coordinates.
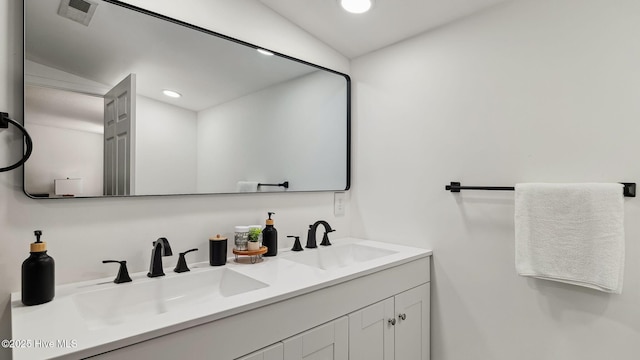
(222, 36)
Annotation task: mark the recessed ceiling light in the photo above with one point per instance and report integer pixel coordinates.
(171, 93)
(356, 6)
(265, 52)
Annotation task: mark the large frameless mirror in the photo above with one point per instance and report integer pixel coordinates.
(122, 102)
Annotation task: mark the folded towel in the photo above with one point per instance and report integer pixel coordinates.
(247, 186)
(571, 233)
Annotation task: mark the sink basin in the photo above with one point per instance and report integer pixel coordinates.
(150, 297)
(338, 256)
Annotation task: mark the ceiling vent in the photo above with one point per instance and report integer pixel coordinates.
(77, 10)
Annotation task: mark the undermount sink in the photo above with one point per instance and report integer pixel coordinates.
(338, 256)
(133, 301)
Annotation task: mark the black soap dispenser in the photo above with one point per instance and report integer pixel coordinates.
(38, 274)
(270, 237)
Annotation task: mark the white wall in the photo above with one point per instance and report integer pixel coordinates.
(165, 148)
(56, 156)
(535, 90)
(236, 142)
(165, 145)
(82, 232)
(59, 127)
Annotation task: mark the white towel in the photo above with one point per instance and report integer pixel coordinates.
(571, 233)
(247, 186)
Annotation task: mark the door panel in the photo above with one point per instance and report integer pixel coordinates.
(119, 131)
(371, 336)
(325, 342)
(412, 332)
(273, 352)
(109, 146)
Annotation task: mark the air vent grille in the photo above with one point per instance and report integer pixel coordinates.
(77, 10)
(80, 5)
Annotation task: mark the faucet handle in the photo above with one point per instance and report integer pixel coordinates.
(296, 244)
(182, 263)
(325, 238)
(123, 273)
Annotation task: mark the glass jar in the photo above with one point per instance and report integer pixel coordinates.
(241, 237)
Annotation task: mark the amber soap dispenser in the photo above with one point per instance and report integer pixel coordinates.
(38, 274)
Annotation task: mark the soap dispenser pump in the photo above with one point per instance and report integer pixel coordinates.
(38, 274)
(270, 237)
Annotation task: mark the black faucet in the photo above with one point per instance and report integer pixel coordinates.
(161, 248)
(311, 235)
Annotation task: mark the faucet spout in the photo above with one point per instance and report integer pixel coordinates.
(311, 235)
(161, 248)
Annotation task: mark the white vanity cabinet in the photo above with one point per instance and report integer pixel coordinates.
(413, 322)
(274, 352)
(396, 328)
(371, 334)
(365, 310)
(347, 320)
(326, 342)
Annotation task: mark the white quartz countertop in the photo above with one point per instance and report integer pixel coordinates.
(61, 329)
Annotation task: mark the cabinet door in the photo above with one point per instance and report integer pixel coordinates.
(412, 331)
(371, 332)
(325, 342)
(273, 352)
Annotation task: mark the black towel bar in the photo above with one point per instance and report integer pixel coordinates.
(284, 184)
(629, 189)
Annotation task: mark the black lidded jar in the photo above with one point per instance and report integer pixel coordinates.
(217, 251)
(38, 274)
(270, 237)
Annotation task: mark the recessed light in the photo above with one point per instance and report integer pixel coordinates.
(171, 93)
(356, 6)
(265, 52)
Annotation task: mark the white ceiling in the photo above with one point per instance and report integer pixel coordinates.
(107, 51)
(388, 22)
(205, 69)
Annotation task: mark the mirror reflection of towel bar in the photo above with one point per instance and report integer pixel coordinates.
(284, 184)
(629, 189)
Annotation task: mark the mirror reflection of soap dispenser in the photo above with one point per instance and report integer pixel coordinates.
(38, 274)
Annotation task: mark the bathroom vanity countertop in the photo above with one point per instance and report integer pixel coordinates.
(58, 329)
